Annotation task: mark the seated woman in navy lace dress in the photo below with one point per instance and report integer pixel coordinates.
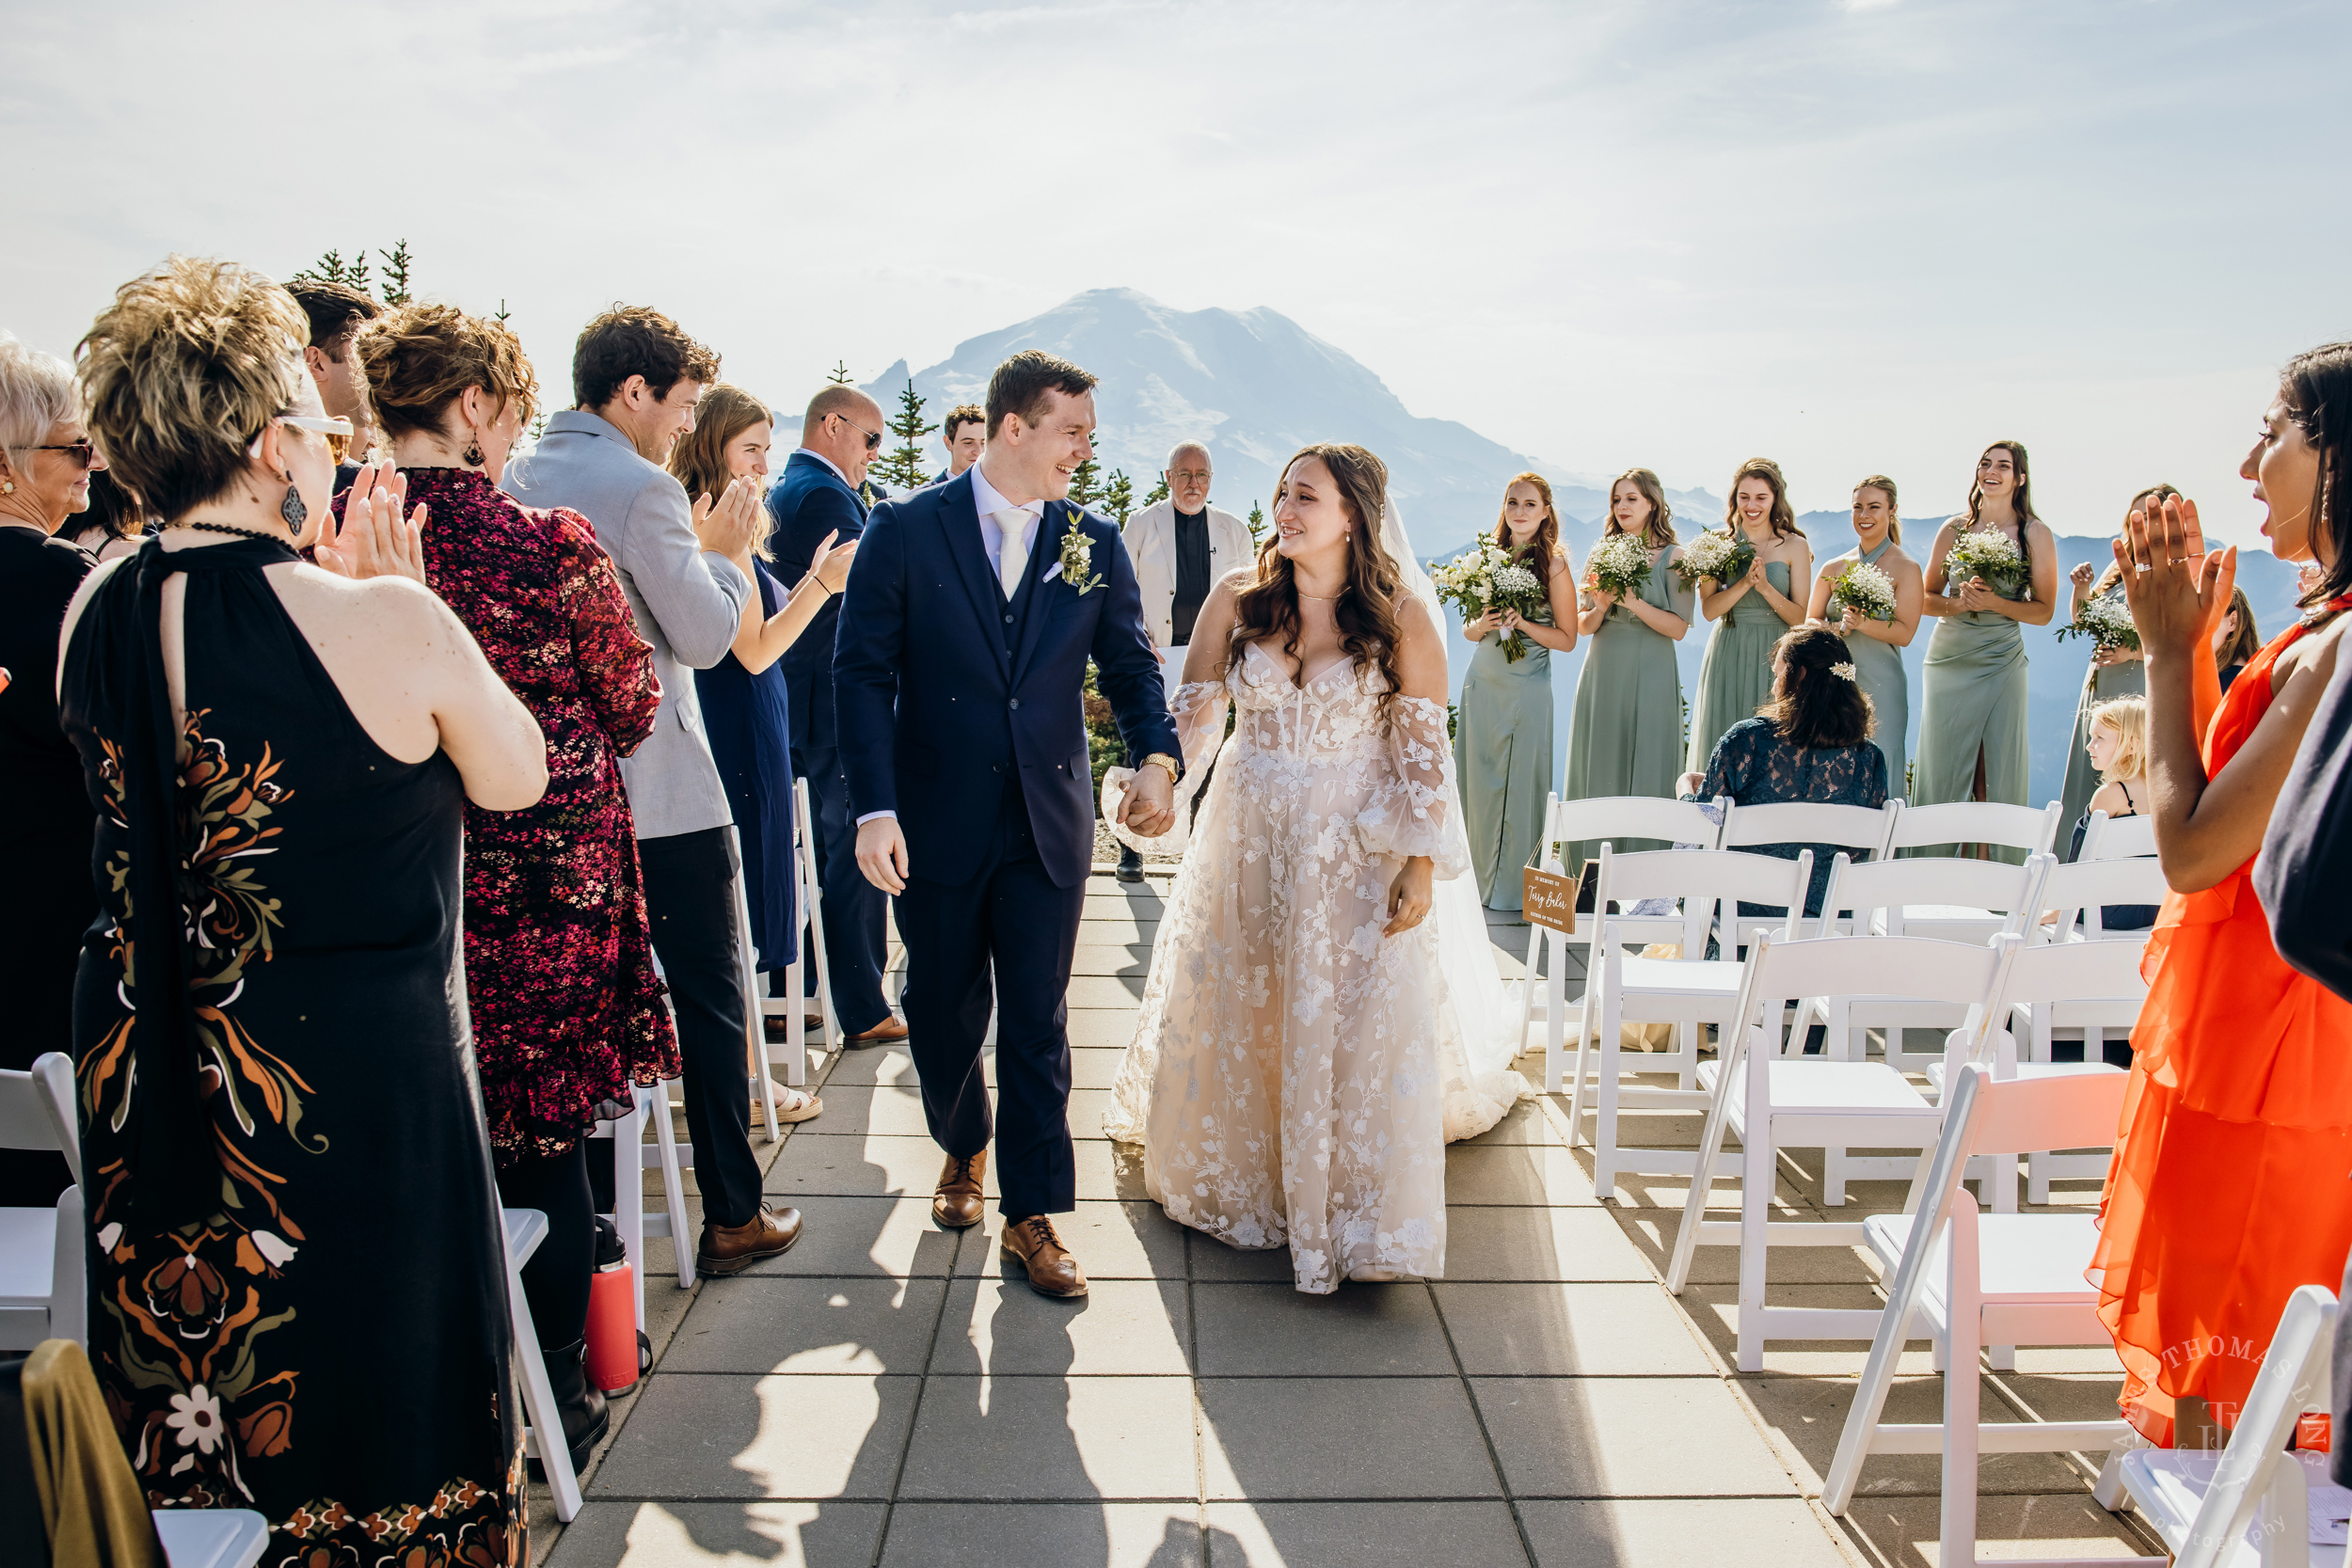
(1811, 742)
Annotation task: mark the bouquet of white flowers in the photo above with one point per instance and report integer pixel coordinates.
(1990, 555)
(2107, 621)
(1467, 581)
(1516, 588)
(1619, 564)
(1864, 589)
(1717, 556)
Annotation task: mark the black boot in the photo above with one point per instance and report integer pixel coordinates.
(580, 1401)
(1130, 864)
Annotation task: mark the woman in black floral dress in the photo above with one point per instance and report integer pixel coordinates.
(297, 1274)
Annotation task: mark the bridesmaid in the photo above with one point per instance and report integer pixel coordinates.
(1877, 645)
(1972, 723)
(2114, 672)
(1625, 735)
(1502, 743)
(1752, 614)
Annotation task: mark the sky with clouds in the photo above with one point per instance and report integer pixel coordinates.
(1855, 237)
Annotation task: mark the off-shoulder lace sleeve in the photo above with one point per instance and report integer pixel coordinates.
(1412, 810)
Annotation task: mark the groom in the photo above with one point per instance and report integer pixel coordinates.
(958, 670)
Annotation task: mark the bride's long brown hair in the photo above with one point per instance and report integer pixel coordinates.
(1365, 612)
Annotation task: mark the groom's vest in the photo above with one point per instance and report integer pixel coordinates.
(1013, 616)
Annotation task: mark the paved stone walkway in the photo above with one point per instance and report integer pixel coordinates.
(885, 1394)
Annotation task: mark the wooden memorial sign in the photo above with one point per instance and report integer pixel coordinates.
(1549, 899)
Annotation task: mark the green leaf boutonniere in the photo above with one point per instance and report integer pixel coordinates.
(1077, 560)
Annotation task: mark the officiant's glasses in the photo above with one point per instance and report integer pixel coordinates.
(873, 437)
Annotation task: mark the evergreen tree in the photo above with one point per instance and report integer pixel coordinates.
(839, 375)
(1257, 524)
(1085, 481)
(902, 469)
(500, 314)
(1118, 497)
(1159, 492)
(395, 273)
(332, 268)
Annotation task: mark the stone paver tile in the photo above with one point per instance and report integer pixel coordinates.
(1653, 1232)
(1117, 930)
(1276, 1438)
(1101, 1029)
(1086, 1109)
(709, 1535)
(1808, 1414)
(751, 1324)
(1903, 1532)
(854, 1110)
(1626, 1437)
(1715, 1309)
(1211, 1258)
(1357, 1331)
(1136, 1327)
(1004, 1438)
(1523, 1173)
(881, 1237)
(1104, 1170)
(1116, 1535)
(1655, 1532)
(1105, 991)
(1363, 1535)
(2079, 1397)
(1110, 958)
(873, 1165)
(695, 1436)
(880, 1064)
(1524, 1123)
(1095, 1067)
(1539, 1244)
(1112, 1240)
(1561, 1329)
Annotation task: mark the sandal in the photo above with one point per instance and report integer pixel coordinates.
(792, 1106)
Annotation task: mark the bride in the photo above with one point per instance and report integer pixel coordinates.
(1301, 1059)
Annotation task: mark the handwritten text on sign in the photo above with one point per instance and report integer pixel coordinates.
(1549, 899)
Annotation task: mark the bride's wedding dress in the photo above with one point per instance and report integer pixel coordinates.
(1295, 1074)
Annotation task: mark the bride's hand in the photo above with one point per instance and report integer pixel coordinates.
(1410, 897)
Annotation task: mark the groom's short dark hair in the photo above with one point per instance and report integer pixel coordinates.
(1021, 383)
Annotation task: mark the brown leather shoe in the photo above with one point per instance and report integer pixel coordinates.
(733, 1248)
(1032, 1243)
(957, 1205)
(890, 1028)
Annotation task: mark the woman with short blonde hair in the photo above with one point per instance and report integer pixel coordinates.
(269, 1030)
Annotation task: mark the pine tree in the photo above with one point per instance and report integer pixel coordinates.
(903, 467)
(839, 375)
(395, 273)
(1085, 486)
(332, 268)
(1257, 524)
(500, 314)
(1118, 497)
(1159, 492)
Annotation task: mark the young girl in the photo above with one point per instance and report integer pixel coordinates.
(2117, 748)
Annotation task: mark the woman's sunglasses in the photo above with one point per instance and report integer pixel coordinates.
(84, 453)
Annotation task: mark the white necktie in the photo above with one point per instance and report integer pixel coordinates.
(1014, 555)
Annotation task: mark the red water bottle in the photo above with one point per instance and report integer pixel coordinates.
(612, 1337)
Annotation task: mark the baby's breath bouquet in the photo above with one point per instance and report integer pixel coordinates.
(1864, 589)
(1619, 564)
(1987, 554)
(2108, 622)
(1717, 556)
(1516, 588)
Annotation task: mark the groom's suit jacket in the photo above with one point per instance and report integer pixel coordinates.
(934, 714)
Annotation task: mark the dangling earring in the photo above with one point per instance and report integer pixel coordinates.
(471, 456)
(294, 508)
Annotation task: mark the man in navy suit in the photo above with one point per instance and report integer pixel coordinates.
(820, 495)
(971, 611)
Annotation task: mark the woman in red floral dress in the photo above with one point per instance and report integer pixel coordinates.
(567, 1011)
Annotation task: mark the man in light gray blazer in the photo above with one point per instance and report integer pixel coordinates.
(637, 378)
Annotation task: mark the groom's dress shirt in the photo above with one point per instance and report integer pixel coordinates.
(993, 506)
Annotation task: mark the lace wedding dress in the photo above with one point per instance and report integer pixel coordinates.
(1295, 1074)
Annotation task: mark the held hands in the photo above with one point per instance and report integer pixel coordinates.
(2175, 587)
(1408, 897)
(372, 541)
(882, 853)
(1147, 805)
(731, 525)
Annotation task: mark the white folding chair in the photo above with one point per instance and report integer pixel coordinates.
(1773, 1099)
(1956, 823)
(543, 1435)
(2250, 1505)
(629, 1217)
(809, 910)
(43, 1273)
(1856, 830)
(2116, 838)
(1686, 991)
(2087, 885)
(1977, 1280)
(211, 1537)
(1604, 818)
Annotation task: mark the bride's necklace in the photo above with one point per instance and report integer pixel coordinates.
(1320, 598)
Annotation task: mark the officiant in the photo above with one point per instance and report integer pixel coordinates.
(1180, 547)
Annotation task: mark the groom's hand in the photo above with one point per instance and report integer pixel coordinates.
(1149, 806)
(882, 853)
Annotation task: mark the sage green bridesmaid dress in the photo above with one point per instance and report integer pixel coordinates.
(1625, 735)
(1736, 677)
(1878, 668)
(2128, 679)
(1974, 704)
(1502, 763)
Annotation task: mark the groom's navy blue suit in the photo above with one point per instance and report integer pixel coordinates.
(960, 710)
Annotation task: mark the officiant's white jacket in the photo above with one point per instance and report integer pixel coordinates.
(1150, 537)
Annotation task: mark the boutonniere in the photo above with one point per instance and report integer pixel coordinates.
(1077, 557)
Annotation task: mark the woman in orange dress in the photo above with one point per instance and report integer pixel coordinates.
(2228, 1187)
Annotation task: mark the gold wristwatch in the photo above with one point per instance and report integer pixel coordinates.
(1175, 768)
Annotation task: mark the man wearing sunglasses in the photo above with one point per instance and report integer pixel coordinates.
(820, 496)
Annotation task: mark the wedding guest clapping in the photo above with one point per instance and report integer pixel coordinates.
(567, 1011)
(46, 465)
(1754, 609)
(2227, 1189)
(1875, 639)
(297, 1233)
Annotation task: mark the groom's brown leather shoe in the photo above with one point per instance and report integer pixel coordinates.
(957, 1205)
(1032, 1243)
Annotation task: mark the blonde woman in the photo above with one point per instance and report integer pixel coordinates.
(1877, 645)
(2117, 746)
